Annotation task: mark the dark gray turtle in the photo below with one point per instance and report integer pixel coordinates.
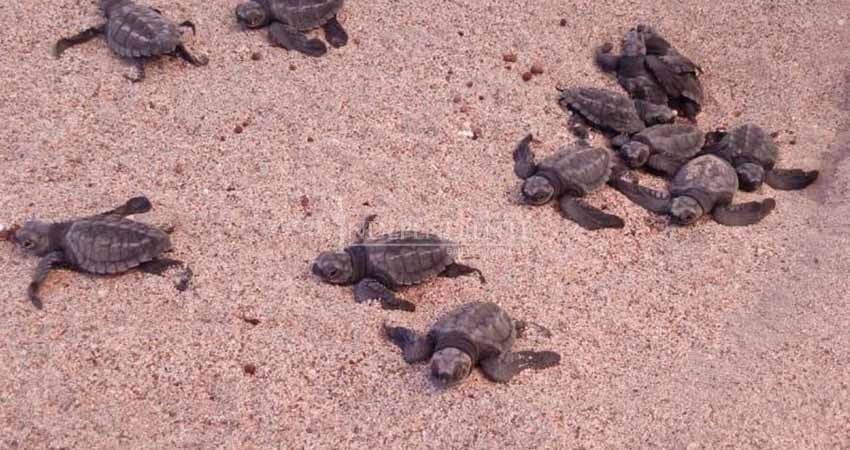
(705, 185)
(106, 243)
(754, 153)
(566, 176)
(612, 112)
(135, 32)
(677, 74)
(474, 334)
(379, 265)
(631, 70)
(289, 19)
(664, 148)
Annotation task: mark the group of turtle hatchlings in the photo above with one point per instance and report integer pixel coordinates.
(705, 169)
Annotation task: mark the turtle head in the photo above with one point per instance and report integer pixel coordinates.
(750, 176)
(450, 365)
(252, 14)
(635, 153)
(686, 210)
(334, 268)
(537, 190)
(34, 238)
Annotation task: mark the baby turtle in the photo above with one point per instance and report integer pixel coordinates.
(676, 73)
(106, 243)
(631, 70)
(379, 265)
(135, 32)
(569, 174)
(754, 153)
(474, 334)
(664, 148)
(705, 185)
(289, 19)
(612, 112)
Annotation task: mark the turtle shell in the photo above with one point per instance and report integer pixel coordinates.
(407, 257)
(304, 14)
(677, 141)
(135, 31)
(485, 325)
(582, 169)
(709, 179)
(111, 244)
(603, 108)
(751, 143)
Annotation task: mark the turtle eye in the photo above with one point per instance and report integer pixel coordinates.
(28, 244)
(332, 273)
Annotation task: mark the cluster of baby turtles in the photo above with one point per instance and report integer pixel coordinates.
(644, 128)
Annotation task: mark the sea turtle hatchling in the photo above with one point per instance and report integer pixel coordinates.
(664, 148)
(379, 265)
(705, 185)
(106, 243)
(630, 68)
(566, 176)
(754, 153)
(473, 334)
(289, 19)
(135, 32)
(676, 73)
(612, 112)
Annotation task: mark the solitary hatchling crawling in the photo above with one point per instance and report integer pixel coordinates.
(106, 243)
(379, 265)
(474, 334)
(705, 185)
(289, 19)
(754, 153)
(567, 176)
(135, 32)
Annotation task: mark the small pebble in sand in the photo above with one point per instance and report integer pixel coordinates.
(476, 133)
(251, 321)
(292, 67)
(509, 57)
(457, 99)
(250, 369)
(536, 69)
(527, 76)
(256, 56)
(238, 129)
(305, 205)
(469, 84)
(464, 109)
(563, 22)
(309, 139)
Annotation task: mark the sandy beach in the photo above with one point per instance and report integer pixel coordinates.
(699, 337)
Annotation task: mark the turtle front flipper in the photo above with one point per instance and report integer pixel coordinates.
(182, 52)
(605, 60)
(790, 179)
(158, 266)
(362, 233)
(524, 165)
(80, 38)
(505, 366)
(455, 270)
(652, 200)
(334, 33)
(44, 265)
(587, 216)
(667, 166)
(371, 289)
(743, 214)
(415, 347)
(136, 205)
(292, 39)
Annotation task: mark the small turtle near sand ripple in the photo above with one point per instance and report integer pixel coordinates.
(106, 243)
(474, 334)
(135, 32)
(288, 20)
(379, 265)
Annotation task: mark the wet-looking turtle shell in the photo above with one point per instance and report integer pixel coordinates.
(379, 265)
(289, 19)
(135, 32)
(106, 243)
(474, 334)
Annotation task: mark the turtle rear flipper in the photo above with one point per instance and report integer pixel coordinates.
(292, 39)
(743, 214)
(455, 270)
(371, 289)
(159, 266)
(136, 205)
(605, 60)
(416, 348)
(505, 366)
(524, 165)
(334, 33)
(790, 179)
(655, 201)
(586, 216)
